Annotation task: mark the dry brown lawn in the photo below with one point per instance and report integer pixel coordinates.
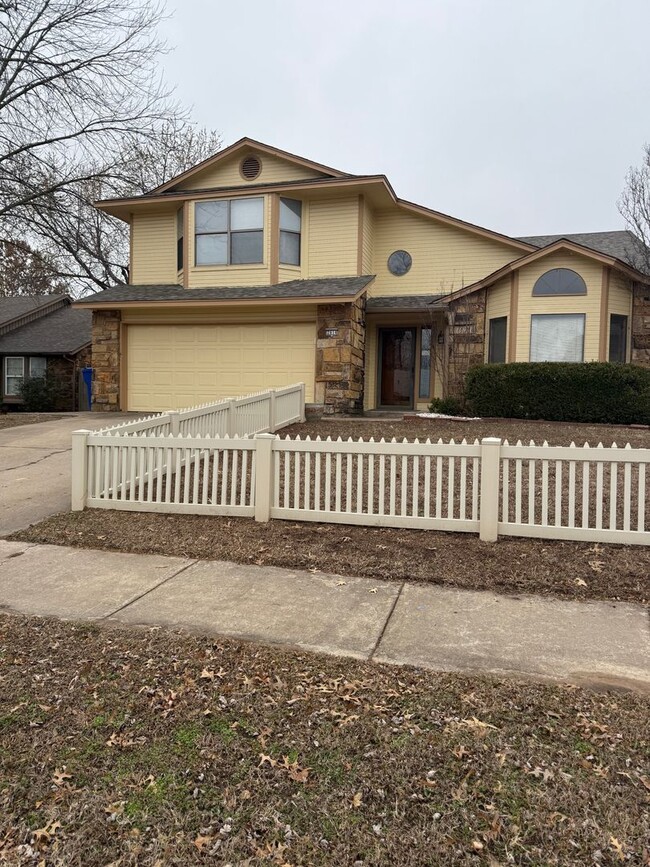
(16, 419)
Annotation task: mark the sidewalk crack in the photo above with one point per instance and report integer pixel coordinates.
(388, 619)
(147, 592)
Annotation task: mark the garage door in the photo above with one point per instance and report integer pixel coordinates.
(173, 366)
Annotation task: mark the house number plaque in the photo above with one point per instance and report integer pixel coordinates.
(331, 332)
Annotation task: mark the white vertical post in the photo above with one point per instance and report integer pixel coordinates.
(230, 418)
(272, 424)
(174, 422)
(489, 505)
(79, 469)
(303, 417)
(263, 476)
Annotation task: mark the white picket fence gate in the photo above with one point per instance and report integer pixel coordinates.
(488, 487)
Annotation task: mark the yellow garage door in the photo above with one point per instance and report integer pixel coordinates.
(174, 366)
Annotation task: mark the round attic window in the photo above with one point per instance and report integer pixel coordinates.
(399, 263)
(250, 168)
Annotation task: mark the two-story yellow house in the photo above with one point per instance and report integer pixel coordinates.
(258, 268)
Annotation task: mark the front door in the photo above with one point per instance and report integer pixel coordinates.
(396, 367)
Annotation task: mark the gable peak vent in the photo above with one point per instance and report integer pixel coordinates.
(250, 167)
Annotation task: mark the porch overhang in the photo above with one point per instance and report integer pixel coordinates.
(404, 303)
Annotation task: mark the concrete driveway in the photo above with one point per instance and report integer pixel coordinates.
(35, 467)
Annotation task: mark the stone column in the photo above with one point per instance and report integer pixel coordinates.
(106, 360)
(465, 336)
(640, 353)
(340, 350)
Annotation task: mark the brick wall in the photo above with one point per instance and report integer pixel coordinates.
(66, 373)
(340, 351)
(106, 360)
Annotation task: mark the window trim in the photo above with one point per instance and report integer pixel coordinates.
(625, 341)
(505, 339)
(534, 316)
(7, 376)
(282, 232)
(559, 294)
(229, 233)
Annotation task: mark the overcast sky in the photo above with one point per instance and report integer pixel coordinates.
(519, 115)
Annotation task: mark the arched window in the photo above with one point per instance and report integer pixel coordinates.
(560, 281)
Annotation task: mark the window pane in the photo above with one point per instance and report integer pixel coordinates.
(37, 367)
(13, 385)
(425, 364)
(557, 336)
(618, 338)
(247, 214)
(212, 249)
(497, 341)
(290, 213)
(246, 248)
(289, 248)
(560, 281)
(211, 216)
(15, 366)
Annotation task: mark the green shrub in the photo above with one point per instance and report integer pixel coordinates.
(447, 406)
(41, 394)
(558, 391)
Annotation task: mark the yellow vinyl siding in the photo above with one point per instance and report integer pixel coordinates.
(367, 240)
(620, 302)
(153, 247)
(370, 375)
(289, 272)
(172, 366)
(224, 314)
(226, 173)
(498, 304)
(231, 275)
(589, 304)
(333, 238)
(445, 258)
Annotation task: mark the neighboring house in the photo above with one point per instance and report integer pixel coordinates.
(42, 335)
(258, 268)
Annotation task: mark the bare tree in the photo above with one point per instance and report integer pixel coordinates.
(634, 207)
(84, 114)
(24, 271)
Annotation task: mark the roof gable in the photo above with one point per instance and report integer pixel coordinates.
(223, 169)
(15, 311)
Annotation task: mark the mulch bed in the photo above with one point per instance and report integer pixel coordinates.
(16, 419)
(573, 570)
(137, 747)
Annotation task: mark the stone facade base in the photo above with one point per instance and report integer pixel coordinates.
(641, 325)
(106, 360)
(340, 349)
(464, 339)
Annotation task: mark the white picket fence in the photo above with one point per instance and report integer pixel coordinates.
(488, 487)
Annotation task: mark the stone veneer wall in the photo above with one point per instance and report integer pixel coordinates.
(464, 339)
(340, 358)
(641, 325)
(106, 360)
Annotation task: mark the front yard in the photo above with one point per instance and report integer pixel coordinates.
(151, 748)
(513, 565)
(16, 419)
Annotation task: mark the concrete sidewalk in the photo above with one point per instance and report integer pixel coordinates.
(416, 624)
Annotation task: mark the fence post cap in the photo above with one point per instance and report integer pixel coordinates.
(83, 432)
(265, 436)
(491, 441)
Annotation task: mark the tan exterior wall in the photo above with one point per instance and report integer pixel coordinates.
(227, 174)
(332, 238)
(367, 239)
(153, 245)
(445, 258)
(289, 272)
(620, 302)
(498, 304)
(589, 304)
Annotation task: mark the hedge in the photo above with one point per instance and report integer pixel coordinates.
(559, 391)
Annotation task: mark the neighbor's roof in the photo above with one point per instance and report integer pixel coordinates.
(623, 245)
(328, 287)
(16, 307)
(394, 303)
(62, 332)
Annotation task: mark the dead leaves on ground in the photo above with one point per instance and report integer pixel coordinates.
(294, 771)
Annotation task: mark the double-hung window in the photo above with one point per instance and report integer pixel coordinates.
(290, 225)
(14, 375)
(229, 232)
(37, 367)
(557, 336)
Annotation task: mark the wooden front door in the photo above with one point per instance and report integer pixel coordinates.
(396, 367)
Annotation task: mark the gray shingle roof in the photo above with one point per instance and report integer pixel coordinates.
(621, 245)
(62, 332)
(15, 307)
(344, 287)
(402, 302)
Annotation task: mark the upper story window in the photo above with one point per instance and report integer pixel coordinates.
(560, 281)
(229, 232)
(179, 239)
(290, 224)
